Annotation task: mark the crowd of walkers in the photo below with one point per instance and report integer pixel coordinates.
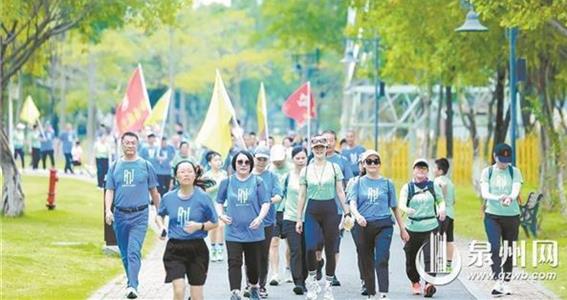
(298, 195)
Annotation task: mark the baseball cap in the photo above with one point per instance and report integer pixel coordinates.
(277, 153)
(420, 162)
(368, 153)
(21, 126)
(503, 152)
(262, 151)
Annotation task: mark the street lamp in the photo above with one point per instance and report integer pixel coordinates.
(378, 87)
(472, 24)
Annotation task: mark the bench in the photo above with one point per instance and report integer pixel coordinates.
(528, 214)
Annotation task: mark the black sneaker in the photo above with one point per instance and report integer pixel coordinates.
(299, 290)
(335, 281)
(254, 293)
(263, 293)
(320, 269)
(429, 290)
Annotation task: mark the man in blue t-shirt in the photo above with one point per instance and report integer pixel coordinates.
(46, 147)
(130, 181)
(67, 139)
(353, 151)
(163, 166)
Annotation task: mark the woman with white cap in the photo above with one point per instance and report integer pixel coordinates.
(320, 182)
(372, 200)
(422, 200)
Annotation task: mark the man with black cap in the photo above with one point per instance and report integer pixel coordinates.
(500, 187)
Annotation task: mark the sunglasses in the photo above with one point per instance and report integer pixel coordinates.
(319, 141)
(243, 162)
(369, 161)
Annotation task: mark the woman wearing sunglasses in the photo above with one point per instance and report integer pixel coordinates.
(247, 206)
(372, 200)
(320, 182)
(422, 200)
(191, 215)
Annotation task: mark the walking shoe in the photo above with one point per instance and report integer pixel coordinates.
(363, 290)
(429, 290)
(498, 290)
(335, 281)
(220, 254)
(131, 293)
(213, 255)
(287, 276)
(246, 293)
(254, 293)
(263, 293)
(328, 295)
(275, 280)
(384, 296)
(320, 269)
(235, 295)
(506, 289)
(312, 288)
(299, 289)
(416, 288)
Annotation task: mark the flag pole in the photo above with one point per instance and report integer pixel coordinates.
(309, 115)
(162, 128)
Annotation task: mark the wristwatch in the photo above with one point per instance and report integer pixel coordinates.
(202, 226)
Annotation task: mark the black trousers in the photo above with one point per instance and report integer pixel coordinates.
(44, 155)
(101, 170)
(321, 225)
(417, 239)
(251, 252)
(163, 184)
(296, 244)
(265, 255)
(36, 154)
(500, 229)
(19, 152)
(68, 162)
(355, 232)
(374, 248)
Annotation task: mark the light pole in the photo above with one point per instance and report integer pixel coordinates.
(378, 91)
(472, 24)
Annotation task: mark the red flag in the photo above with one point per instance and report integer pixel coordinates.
(296, 105)
(135, 106)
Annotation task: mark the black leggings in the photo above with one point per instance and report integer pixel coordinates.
(36, 154)
(251, 252)
(296, 244)
(321, 225)
(500, 229)
(44, 155)
(265, 255)
(417, 239)
(19, 152)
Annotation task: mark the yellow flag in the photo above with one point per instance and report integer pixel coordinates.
(262, 113)
(30, 113)
(215, 131)
(159, 111)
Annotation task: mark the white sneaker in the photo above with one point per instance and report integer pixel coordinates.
(275, 280)
(384, 296)
(287, 276)
(131, 293)
(220, 254)
(497, 290)
(506, 288)
(313, 288)
(328, 295)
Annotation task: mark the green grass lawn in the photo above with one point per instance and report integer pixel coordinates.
(469, 224)
(34, 266)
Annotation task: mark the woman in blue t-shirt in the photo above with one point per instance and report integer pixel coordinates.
(247, 206)
(372, 200)
(191, 215)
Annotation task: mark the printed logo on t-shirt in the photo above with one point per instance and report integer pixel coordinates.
(183, 215)
(500, 181)
(373, 194)
(353, 158)
(243, 195)
(128, 177)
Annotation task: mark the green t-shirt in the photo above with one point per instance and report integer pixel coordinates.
(501, 184)
(281, 173)
(177, 158)
(34, 138)
(321, 182)
(292, 197)
(214, 190)
(448, 189)
(19, 139)
(423, 203)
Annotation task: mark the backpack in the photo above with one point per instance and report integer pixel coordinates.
(429, 188)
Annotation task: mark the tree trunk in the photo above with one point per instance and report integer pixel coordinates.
(12, 192)
(438, 118)
(502, 121)
(449, 122)
(91, 109)
(427, 134)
